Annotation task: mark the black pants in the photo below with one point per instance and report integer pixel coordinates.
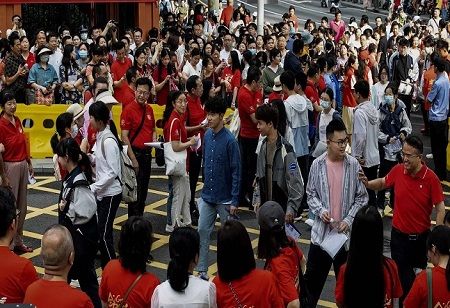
(83, 268)
(385, 167)
(247, 147)
(371, 174)
(439, 142)
(195, 165)
(106, 212)
(303, 164)
(407, 99)
(144, 159)
(426, 121)
(409, 252)
(317, 268)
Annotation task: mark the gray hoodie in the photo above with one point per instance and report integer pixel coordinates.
(365, 134)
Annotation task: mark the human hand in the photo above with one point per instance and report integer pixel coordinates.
(30, 169)
(233, 210)
(361, 161)
(392, 139)
(343, 227)
(193, 140)
(289, 218)
(363, 178)
(135, 164)
(2, 148)
(326, 217)
(402, 136)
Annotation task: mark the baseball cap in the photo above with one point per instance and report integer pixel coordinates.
(107, 98)
(44, 50)
(77, 110)
(277, 84)
(271, 216)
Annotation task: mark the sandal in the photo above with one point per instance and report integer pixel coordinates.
(22, 248)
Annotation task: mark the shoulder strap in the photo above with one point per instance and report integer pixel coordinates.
(140, 126)
(430, 287)
(103, 144)
(70, 193)
(130, 288)
(170, 130)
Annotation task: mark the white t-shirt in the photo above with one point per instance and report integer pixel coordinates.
(198, 294)
(325, 119)
(55, 60)
(189, 70)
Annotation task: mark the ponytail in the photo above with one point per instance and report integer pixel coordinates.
(113, 129)
(86, 167)
(54, 142)
(177, 273)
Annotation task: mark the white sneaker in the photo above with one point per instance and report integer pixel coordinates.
(309, 222)
(75, 284)
(169, 229)
(429, 156)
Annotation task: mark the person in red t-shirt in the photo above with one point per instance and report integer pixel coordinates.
(365, 259)
(348, 100)
(417, 190)
(239, 283)
(227, 14)
(16, 273)
(52, 290)
(195, 125)
(231, 78)
(178, 213)
(163, 75)
(283, 257)
(249, 98)
(438, 245)
(134, 248)
(119, 70)
(138, 125)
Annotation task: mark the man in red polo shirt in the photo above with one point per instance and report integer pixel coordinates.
(249, 98)
(119, 70)
(195, 115)
(227, 14)
(16, 273)
(138, 127)
(417, 189)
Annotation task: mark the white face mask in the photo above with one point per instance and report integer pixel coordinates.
(74, 131)
(324, 104)
(83, 36)
(429, 50)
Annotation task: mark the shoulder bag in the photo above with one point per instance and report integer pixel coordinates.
(130, 288)
(175, 161)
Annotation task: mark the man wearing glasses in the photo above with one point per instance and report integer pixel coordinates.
(137, 122)
(16, 273)
(334, 197)
(417, 189)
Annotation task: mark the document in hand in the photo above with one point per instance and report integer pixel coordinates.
(292, 231)
(333, 242)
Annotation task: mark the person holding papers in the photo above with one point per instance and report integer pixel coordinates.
(334, 196)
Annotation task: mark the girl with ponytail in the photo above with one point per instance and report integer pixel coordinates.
(64, 123)
(438, 246)
(181, 286)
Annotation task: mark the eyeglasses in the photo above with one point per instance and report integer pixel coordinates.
(408, 156)
(340, 143)
(143, 93)
(181, 101)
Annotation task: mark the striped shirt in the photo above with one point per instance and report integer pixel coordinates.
(354, 194)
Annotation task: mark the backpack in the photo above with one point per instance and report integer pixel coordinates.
(391, 124)
(128, 181)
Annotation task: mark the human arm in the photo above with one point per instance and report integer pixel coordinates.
(160, 85)
(4, 179)
(377, 184)
(406, 125)
(11, 77)
(433, 93)
(265, 81)
(361, 197)
(359, 135)
(313, 193)
(125, 134)
(108, 151)
(179, 146)
(440, 213)
(233, 100)
(294, 183)
(414, 73)
(235, 168)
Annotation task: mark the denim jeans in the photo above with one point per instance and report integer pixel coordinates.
(208, 213)
(169, 201)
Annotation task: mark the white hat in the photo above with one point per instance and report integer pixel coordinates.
(107, 98)
(255, 14)
(354, 25)
(44, 50)
(77, 110)
(416, 18)
(277, 84)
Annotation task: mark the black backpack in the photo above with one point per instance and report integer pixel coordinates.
(391, 124)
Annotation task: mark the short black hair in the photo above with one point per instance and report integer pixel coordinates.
(268, 114)
(298, 46)
(119, 45)
(403, 42)
(99, 111)
(441, 44)
(253, 74)
(195, 52)
(335, 125)
(6, 96)
(215, 105)
(415, 142)
(7, 209)
(235, 257)
(287, 78)
(144, 81)
(439, 64)
(301, 80)
(50, 35)
(362, 87)
(313, 70)
(191, 83)
(135, 243)
(12, 38)
(131, 73)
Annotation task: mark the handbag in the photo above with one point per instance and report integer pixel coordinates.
(175, 161)
(159, 153)
(44, 99)
(405, 88)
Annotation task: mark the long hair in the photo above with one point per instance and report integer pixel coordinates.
(350, 61)
(235, 257)
(70, 148)
(271, 242)
(184, 246)
(440, 239)
(235, 63)
(170, 67)
(365, 263)
(67, 60)
(100, 112)
(135, 244)
(173, 96)
(63, 121)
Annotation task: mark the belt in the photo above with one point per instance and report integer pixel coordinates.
(411, 237)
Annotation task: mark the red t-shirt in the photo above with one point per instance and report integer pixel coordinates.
(13, 139)
(118, 70)
(286, 267)
(392, 284)
(414, 198)
(311, 92)
(347, 91)
(131, 118)
(195, 114)
(163, 94)
(273, 96)
(256, 289)
(44, 293)
(227, 13)
(115, 282)
(16, 274)
(127, 96)
(178, 131)
(248, 101)
(234, 78)
(418, 296)
(322, 84)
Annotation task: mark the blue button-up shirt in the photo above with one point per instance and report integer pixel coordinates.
(41, 76)
(439, 98)
(221, 168)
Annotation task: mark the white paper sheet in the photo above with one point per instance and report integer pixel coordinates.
(291, 231)
(333, 241)
(157, 145)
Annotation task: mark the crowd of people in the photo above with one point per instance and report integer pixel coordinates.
(320, 124)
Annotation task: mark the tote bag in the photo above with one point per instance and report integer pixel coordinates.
(175, 161)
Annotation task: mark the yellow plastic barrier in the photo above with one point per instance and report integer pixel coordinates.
(39, 124)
